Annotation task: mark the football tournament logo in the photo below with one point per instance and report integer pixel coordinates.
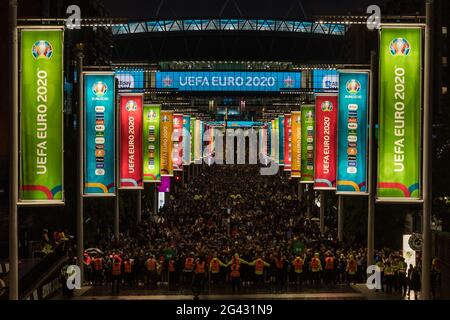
(353, 86)
(151, 114)
(42, 50)
(399, 47)
(165, 118)
(327, 106)
(131, 106)
(99, 88)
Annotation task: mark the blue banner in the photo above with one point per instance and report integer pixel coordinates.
(352, 132)
(99, 134)
(325, 80)
(186, 140)
(228, 80)
(281, 140)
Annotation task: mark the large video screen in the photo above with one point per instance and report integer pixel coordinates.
(325, 80)
(228, 80)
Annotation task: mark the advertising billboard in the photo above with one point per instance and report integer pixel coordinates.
(166, 130)
(296, 150)
(308, 130)
(152, 143)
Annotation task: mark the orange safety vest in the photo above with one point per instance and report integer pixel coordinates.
(116, 269)
(127, 265)
(315, 264)
(235, 271)
(151, 265)
(200, 267)
(189, 264)
(298, 265)
(259, 266)
(171, 266)
(98, 264)
(215, 266)
(329, 263)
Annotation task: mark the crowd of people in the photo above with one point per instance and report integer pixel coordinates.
(231, 226)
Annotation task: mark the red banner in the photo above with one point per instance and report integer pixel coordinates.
(287, 142)
(131, 141)
(326, 141)
(177, 151)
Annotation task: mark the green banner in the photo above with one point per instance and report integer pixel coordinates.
(151, 154)
(399, 156)
(41, 116)
(307, 143)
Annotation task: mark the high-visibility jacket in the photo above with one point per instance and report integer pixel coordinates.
(298, 265)
(98, 264)
(352, 267)
(200, 267)
(316, 265)
(389, 271)
(189, 264)
(402, 266)
(259, 266)
(87, 259)
(171, 265)
(151, 264)
(235, 270)
(127, 266)
(214, 265)
(329, 263)
(116, 268)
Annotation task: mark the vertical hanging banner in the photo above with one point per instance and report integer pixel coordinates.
(287, 142)
(326, 141)
(202, 141)
(177, 149)
(308, 136)
(192, 138)
(166, 143)
(399, 159)
(197, 142)
(99, 134)
(131, 136)
(269, 139)
(352, 132)
(281, 140)
(296, 151)
(41, 117)
(152, 143)
(186, 140)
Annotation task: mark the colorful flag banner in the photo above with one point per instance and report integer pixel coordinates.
(186, 140)
(166, 161)
(152, 143)
(308, 130)
(399, 145)
(326, 141)
(177, 151)
(281, 140)
(131, 136)
(41, 117)
(197, 142)
(352, 132)
(192, 138)
(296, 135)
(287, 142)
(99, 134)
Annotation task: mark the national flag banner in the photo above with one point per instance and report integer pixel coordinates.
(281, 140)
(352, 132)
(41, 117)
(197, 142)
(192, 138)
(296, 151)
(131, 136)
(177, 150)
(308, 130)
(399, 142)
(166, 161)
(326, 141)
(152, 143)
(99, 134)
(287, 142)
(186, 140)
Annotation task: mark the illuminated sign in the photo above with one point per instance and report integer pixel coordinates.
(325, 80)
(130, 79)
(228, 80)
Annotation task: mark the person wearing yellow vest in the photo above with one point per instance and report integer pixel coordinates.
(116, 272)
(402, 280)
(98, 270)
(329, 275)
(128, 266)
(351, 269)
(200, 274)
(259, 264)
(389, 277)
(316, 268)
(188, 270)
(297, 265)
(214, 268)
(151, 266)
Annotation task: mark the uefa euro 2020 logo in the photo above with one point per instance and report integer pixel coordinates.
(353, 86)
(399, 47)
(131, 106)
(165, 118)
(327, 106)
(151, 115)
(99, 88)
(42, 49)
